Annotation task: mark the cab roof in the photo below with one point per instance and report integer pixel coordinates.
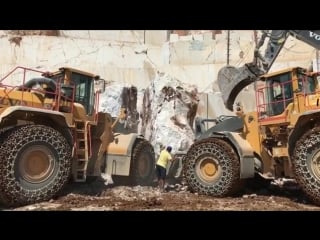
(63, 69)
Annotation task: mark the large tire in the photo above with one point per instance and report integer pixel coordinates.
(3, 135)
(142, 167)
(306, 164)
(212, 167)
(143, 164)
(35, 164)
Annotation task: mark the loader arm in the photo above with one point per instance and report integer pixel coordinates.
(232, 80)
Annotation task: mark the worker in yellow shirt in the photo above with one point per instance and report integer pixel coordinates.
(161, 166)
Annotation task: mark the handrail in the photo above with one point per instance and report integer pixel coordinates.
(56, 95)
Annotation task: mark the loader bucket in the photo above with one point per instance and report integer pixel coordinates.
(231, 81)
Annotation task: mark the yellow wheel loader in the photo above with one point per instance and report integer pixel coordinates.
(280, 139)
(51, 132)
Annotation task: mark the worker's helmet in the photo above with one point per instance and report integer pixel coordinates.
(169, 148)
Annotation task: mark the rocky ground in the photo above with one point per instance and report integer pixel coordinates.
(280, 195)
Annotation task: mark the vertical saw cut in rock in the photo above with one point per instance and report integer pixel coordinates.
(129, 102)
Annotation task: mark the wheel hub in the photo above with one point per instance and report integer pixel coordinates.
(208, 169)
(36, 165)
(315, 164)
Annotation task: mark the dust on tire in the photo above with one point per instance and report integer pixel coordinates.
(227, 182)
(14, 190)
(306, 149)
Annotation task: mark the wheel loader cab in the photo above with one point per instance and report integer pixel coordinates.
(84, 91)
(77, 86)
(274, 92)
(306, 84)
(279, 93)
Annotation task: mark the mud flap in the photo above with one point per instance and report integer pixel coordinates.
(231, 81)
(245, 153)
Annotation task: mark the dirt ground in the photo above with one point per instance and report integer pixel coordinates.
(100, 197)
